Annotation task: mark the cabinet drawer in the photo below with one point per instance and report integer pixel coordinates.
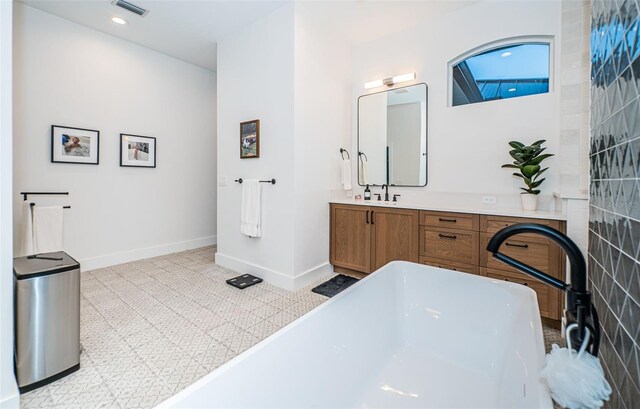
(451, 265)
(451, 245)
(446, 220)
(493, 224)
(539, 253)
(548, 297)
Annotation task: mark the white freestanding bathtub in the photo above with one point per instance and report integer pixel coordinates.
(407, 336)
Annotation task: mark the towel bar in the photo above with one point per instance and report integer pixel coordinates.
(272, 181)
(25, 194)
(64, 207)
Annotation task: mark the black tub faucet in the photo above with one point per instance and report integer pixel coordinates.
(579, 309)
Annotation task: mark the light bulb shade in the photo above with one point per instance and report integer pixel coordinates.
(373, 84)
(404, 77)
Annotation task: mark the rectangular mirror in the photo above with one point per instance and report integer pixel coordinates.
(392, 137)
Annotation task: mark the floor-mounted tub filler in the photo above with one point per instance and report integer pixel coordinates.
(406, 336)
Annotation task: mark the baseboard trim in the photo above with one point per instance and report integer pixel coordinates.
(12, 401)
(244, 267)
(313, 274)
(93, 263)
(274, 277)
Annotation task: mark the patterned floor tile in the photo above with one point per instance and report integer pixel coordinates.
(224, 331)
(80, 396)
(215, 355)
(152, 327)
(241, 342)
(40, 398)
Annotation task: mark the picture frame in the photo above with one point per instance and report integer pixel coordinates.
(75, 145)
(137, 151)
(250, 139)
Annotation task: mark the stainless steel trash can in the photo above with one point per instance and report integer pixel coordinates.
(47, 318)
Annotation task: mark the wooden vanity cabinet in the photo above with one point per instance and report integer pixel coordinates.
(395, 236)
(350, 237)
(534, 250)
(365, 238)
(450, 240)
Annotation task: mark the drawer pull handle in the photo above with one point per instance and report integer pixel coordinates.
(447, 220)
(367, 217)
(372, 220)
(446, 236)
(524, 246)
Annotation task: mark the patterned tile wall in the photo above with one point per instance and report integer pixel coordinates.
(614, 210)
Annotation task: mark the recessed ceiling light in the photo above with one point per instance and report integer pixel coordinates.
(118, 20)
(506, 54)
(512, 90)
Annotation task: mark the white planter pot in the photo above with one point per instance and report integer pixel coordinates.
(529, 201)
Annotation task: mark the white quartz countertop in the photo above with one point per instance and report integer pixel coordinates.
(456, 208)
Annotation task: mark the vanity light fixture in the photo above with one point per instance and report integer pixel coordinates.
(373, 84)
(505, 54)
(391, 81)
(118, 20)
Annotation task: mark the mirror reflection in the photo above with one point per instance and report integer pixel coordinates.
(392, 137)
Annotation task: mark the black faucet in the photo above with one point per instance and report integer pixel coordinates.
(579, 309)
(385, 187)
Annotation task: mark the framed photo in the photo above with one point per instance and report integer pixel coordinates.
(137, 151)
(75, 145)
(250, 139)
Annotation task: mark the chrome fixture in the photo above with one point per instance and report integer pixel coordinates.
(391, 81)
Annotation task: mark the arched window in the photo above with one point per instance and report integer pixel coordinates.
(501, 70)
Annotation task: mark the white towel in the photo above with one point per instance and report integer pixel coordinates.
(47, 229)
(364, 172)
(26, 245)
(345, 175)
(250, 208)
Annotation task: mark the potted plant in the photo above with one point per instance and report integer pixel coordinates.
(527, 159)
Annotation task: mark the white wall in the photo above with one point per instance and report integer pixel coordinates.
(574, 87)
(467, 144)
(322, 121)
(8, 389)
(294, 77)
(67, 74)
(255, 81)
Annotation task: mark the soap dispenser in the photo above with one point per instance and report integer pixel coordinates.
(367, 193)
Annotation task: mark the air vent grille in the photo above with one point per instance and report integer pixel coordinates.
(130, 7)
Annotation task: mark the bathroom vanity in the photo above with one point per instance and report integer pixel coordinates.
(366, 236)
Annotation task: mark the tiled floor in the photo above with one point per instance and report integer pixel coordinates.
(152, 327)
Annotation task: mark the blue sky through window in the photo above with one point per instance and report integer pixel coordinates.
(525, 61)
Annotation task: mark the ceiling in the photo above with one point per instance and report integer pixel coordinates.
(190, 29)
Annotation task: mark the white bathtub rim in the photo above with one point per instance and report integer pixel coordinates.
(250, 351)
(544, 393)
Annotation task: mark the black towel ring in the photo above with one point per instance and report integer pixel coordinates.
(343, 151)
(361, 154)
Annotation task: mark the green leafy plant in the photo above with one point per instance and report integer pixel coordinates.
(527, 159)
